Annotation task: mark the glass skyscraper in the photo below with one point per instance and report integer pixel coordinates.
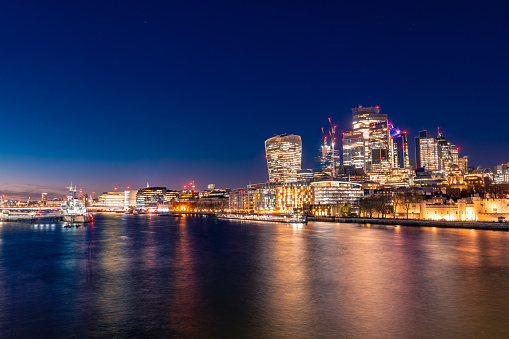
(368, 145)
(284, 156)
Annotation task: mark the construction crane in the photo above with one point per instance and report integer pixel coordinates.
(332, 133)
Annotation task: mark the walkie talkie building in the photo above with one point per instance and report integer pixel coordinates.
(284, 156)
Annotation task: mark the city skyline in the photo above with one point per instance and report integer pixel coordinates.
(111, 96)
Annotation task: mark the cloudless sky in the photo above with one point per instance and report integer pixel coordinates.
(117, 93)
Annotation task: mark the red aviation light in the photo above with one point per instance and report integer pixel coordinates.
(116, 188)
(457, 148)
(128, 187)
(185, 186)
(190, 184)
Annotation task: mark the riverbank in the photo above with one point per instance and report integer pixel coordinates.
(499, 226)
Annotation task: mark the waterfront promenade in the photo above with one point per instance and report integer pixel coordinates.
(482, 225)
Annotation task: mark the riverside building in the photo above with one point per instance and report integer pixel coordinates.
(111, 200)
(336, 192)
(149, 197)
(284, 156)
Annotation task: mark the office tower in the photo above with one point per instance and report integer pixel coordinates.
(380, 147)
(353, 149)
(44, 199)
(444, 154)
(368, 145)
(455, 154)
(284, 156)
(463, 164)
(426, 152)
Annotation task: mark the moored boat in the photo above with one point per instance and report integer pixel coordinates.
(73, 209)
(286, 218)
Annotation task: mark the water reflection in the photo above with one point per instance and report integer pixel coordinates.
(149, 276)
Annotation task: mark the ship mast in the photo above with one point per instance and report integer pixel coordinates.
(72, 191)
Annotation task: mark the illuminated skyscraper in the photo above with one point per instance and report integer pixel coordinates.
(284, 156)
(368, 145)
(444, 154)
(455, 155)
(380, 147)
(353, 149)
(463, 164)
(426, 152)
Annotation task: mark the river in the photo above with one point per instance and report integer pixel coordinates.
(157, 276)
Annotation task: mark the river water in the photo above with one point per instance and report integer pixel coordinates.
(155, 276)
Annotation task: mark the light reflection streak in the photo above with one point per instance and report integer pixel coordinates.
(184, 308)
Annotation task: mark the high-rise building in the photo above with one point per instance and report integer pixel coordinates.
(369, 145)
(444, 154)
(463, 164)
(353, 149)
(426, 152)
(380, 148)
(455, 154)
(284, 156)
(44, 199)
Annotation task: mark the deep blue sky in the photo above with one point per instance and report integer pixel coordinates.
(120, 93)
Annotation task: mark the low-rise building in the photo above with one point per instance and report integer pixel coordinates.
(467, 209)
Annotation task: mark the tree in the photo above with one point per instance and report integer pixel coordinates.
(406, 198)
(382, 204)
(368, 204)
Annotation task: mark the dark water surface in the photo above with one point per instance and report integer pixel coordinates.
(134, 276)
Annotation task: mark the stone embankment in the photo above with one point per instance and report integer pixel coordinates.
(482, 225)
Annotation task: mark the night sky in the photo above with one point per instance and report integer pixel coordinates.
(120, 93)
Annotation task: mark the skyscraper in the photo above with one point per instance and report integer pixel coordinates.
(369, 144)
(426, 152)
(463, 164)
(444, 154)
(284, 156)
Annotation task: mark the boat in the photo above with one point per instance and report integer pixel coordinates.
(73, 209)
(287, 218)
(166, 214)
